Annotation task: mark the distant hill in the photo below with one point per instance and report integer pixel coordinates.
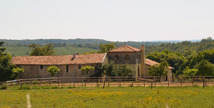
(75, 42)
(60, 41)
(70, 46)
(64, 47)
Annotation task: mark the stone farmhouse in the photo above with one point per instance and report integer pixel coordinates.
(70, 65)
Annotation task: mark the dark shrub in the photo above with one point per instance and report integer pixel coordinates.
(3, 86)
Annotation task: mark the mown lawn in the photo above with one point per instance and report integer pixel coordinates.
(111, 97)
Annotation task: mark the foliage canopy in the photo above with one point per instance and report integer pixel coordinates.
(106, 47)
(112, 69)
(17, 71)
(205, 68)
(190, 72)
(6, 67)
(37, 50)
(159, 69)
(87, 69)
(53, 70)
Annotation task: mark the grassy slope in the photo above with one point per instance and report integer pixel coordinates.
(67, 50)
(186, 97)
(71, 50)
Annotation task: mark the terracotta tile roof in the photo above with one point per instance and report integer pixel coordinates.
(125, 48)
(152, 63)
(59, 60)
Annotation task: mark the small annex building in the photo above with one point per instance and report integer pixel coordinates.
(70, 65)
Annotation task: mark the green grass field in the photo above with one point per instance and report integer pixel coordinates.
(110, 97)
(67, 50)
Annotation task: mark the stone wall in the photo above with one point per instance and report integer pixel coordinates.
(35, 71)
(125, 58)
(38, 71)
(132, 60)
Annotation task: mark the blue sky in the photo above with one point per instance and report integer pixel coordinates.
(117, 20)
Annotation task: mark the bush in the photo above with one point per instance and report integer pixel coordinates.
(54, 87)
(35, 82)
(196, 85)
(87, 69)
(69, 87)
(190, 72)
(3, 86)
(159, 69)
(17, 71)
(25, 87)
(45, 87)
(53, 70)
(36, 87)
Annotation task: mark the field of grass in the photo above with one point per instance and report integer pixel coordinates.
(110, 97)
(67, 50)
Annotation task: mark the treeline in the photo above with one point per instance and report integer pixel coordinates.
(16, 47)
(77, 41)
(182, 47)
(65, 47)
(189, 59)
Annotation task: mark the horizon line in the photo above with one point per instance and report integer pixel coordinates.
(100, 39)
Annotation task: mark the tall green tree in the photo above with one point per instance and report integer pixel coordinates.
(6, 67)
(174, 59)
(208, 55)
(205, 68)
(196, 58)
(106, 47)
(159, 69)
(38, 50)
(123, 70)
(2, 49)
(111, 69)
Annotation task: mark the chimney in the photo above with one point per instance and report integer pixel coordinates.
(142, 48)
(74, 56)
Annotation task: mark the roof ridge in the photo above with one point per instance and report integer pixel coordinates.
(45, 56)
(117, 47)
(125, 48)
(130, 47)
(57, 55)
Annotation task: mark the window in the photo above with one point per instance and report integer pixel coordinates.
(109, 57)
(127, 57)
(80, 66)
(67, 68)
(41, 66)
(116, 57)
